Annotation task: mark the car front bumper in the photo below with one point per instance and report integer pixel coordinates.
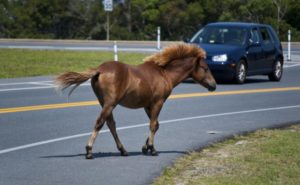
(220, 71)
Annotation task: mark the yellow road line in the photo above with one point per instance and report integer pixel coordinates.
(249, 91)
(49, 106)
(175, 96)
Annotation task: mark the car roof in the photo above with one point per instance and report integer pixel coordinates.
(237, 24)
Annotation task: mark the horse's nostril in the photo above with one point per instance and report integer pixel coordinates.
(212, 87)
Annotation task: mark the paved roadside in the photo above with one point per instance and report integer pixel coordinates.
(100, 45)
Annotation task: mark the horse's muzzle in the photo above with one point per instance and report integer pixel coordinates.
(212, 87)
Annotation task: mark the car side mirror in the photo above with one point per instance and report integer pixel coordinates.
(252, 43)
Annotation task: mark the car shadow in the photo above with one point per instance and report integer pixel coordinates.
(257, 80)
(250, 80)
(111, 154)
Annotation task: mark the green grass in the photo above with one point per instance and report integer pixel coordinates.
(263, 157)
(23, 63)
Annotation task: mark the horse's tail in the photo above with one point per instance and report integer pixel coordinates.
(67, 79)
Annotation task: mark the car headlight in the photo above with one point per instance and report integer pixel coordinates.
(219, 58)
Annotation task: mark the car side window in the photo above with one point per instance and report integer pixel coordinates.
(266, 36)
(254, 36)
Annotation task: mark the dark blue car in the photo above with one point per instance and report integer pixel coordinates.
(236, 50)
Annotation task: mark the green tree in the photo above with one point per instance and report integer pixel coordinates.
(139, 19)
(4, 18)
(293, 14)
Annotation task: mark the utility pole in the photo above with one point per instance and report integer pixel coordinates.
(107, 26)
(108, 7)
(282, 6)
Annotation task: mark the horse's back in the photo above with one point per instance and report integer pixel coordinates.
(123, 84)
(131, 86)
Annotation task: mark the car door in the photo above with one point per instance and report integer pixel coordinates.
(269, 49)
(254, 51)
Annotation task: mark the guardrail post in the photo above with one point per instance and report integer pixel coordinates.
(107, 26)
(158, 38)
(289, 46)
(115, 51)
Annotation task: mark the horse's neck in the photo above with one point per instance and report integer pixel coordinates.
(179, 70)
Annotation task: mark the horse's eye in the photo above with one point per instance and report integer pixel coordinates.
(204, 68)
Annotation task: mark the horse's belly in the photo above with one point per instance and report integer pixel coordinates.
(135, 101)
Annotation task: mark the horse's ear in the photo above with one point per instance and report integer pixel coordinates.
(202, 53)
(201, 56)
(197, 62)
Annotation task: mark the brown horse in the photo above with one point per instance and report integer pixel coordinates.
(147, 85)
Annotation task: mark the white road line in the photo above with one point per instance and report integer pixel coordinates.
(25, 88)
(76, 48)
(42, 83)
(45, 86)
(29, 47)
(144, 125)
(22, 83)
(291, 62)
(289, 66)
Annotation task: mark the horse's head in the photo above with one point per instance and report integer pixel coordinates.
(202, 74)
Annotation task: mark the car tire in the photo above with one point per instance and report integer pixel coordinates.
(240, 72)
(277, 70)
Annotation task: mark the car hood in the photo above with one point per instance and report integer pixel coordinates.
(218, 49)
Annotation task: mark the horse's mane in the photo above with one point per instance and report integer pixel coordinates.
(173, 52)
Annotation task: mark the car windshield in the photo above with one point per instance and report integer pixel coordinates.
(220, 35)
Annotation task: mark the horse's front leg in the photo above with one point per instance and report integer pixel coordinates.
(152, 113)
(149, 146)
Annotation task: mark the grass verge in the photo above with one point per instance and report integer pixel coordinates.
(263, 157)
(23, 63)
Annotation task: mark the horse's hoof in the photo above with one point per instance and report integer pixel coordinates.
(154, 153)
(124, 153)
(89, 156)
(145, 149)
(152, 150)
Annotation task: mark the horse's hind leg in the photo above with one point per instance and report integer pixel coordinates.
(106, 111)
(112, 127)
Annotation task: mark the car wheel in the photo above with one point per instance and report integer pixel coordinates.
(241, 72)
(276, 73)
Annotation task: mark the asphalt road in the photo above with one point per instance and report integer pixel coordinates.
(99, 45)
(136, 46)
(42, 136)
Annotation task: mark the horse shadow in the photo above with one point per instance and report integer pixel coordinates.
(112, 154)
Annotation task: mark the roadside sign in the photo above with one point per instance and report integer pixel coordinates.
(108, 5)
